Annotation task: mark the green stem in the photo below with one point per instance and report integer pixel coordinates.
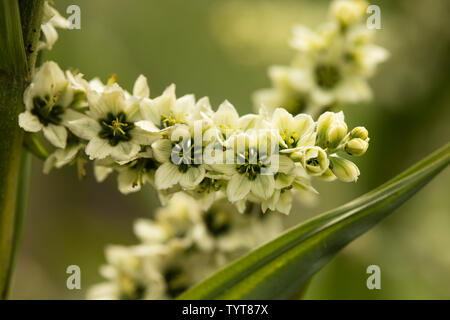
(22, 203)
(16, 67)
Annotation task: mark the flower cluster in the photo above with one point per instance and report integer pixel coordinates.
(331, 66)
(181, 144)
(180, 247)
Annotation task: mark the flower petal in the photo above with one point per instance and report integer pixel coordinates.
(284, 203)
(29, 122)
(147, 126)
(61, 157)
(238, 187)
(113, 99)
(263, 186)
(192, 177)
(144, 137)
(98, 148)
(167, 175)
(57, 135)
(285, 164)
(101, 173)
(150, 111)
(125, 151)
(140, 88)
(226, 115)
(162, 149)
(85, 127)
(127, 181)
(49, 79)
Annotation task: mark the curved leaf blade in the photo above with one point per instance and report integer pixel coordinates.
(277, 269)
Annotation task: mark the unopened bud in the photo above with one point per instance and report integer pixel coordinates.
(336, 133)
(359, 132)
(356, 147)
(331, 129)
(344, 170)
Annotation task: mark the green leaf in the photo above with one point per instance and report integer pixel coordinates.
(12, 56)
(279, 268)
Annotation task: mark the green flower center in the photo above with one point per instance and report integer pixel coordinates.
(312, 162)
(115, 128)
(295, 102)
(250, 163)
(186, 154)
(209, 185)
(46, 110)
(143, 166)
(217, 221)
(177, 281)
(327, 76)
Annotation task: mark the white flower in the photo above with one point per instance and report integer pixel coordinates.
(250, 172)
(181, 160)
(113, 127)
(294, 131)
(50, 21)
(167, 110)
(132, 273)
(141, 88)
(133, 176)
(314, 160)
(177, 224)
(286, 186)
(46, 104)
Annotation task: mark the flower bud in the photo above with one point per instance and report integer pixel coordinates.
(356, 147)
(348, 12)
(331, 129)
(336, 133)
(344, 170)
(315, 161)
(359, 132)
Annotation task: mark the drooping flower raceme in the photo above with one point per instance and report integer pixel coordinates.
(331, 66)
(181, 144)
(179, 248)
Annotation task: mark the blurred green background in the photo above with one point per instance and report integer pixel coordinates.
(222, 48)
